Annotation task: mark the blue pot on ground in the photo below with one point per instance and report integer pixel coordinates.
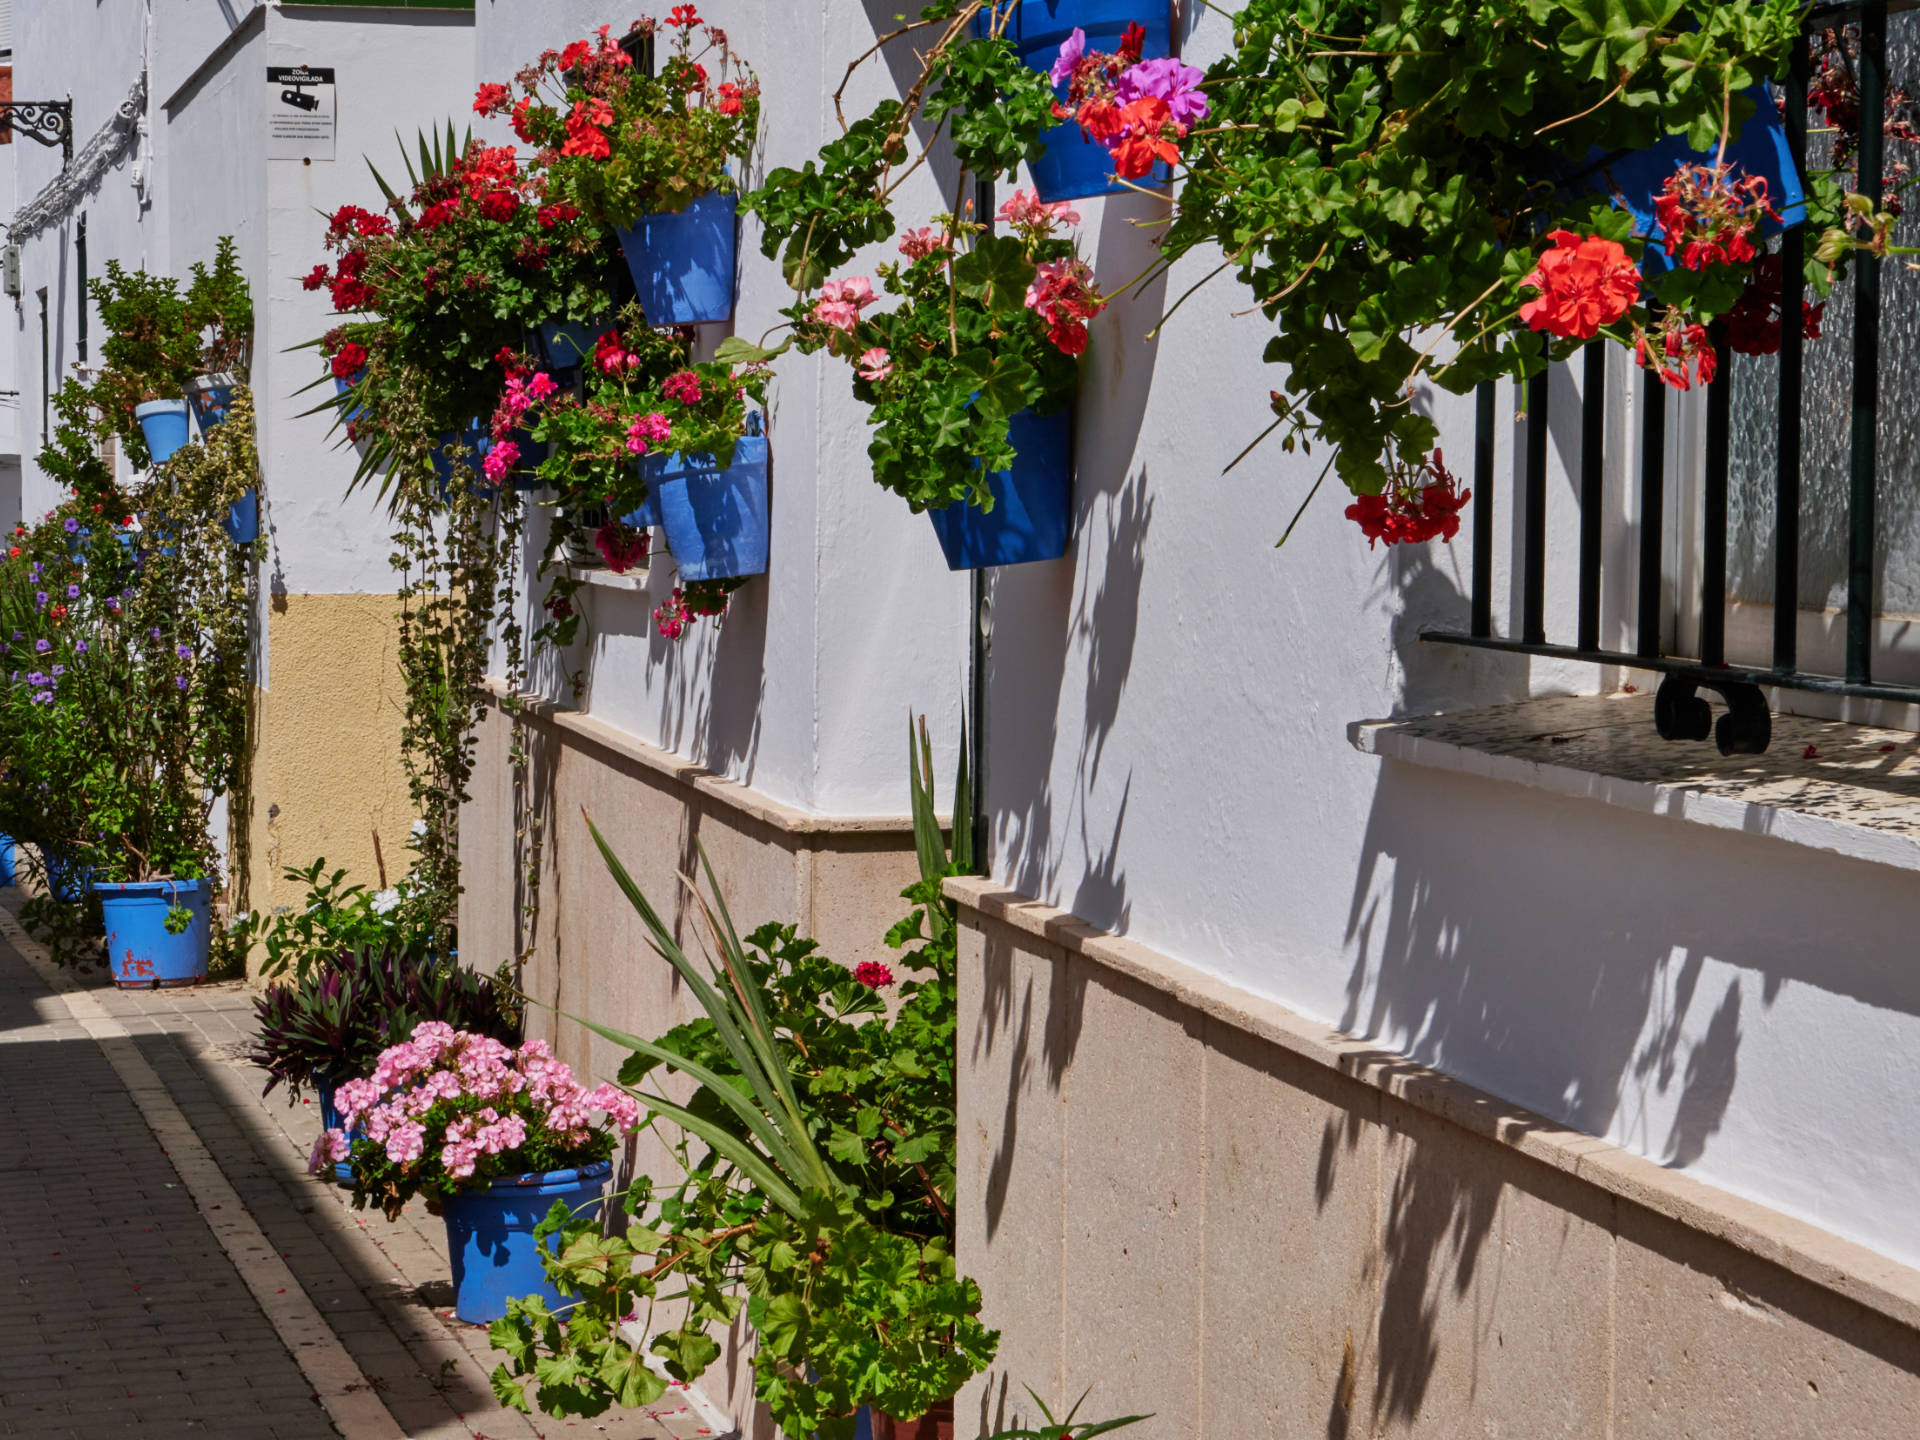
(490, 1236)
(1074, 167)
(210, 397)
(683, 264)
(65, 880)
(1032, 515)
(715, 519)
(164, 423)
(243, 517)
(6, 860)
(327, 1087)
(141, 951)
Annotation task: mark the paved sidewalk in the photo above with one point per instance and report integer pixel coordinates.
(131, 1315)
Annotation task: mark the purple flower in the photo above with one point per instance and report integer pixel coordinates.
(1070, 55)
(73, 592)
(40, 597)
(40, 647)
(185, 652)
(18, 636)
(71, 524)
(181, 681)
(45, 697)
(114, 605)
(154, 633)
(80, 646)
(34, 677)
(1172, 81)
(59, 670)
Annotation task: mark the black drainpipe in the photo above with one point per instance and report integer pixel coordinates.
(80, 261)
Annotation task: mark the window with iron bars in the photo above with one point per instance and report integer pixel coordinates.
(1775, 532)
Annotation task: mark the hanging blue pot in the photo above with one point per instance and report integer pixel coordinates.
(6, 860)
(1636, 178)
(164, 423)
(341, 387)
(476, 439)
(1032, 515)
(682, 264)
(1074, 167)
(715, 519)
(490, 1237)
(243, 517)
(210, 397)
(569, 344)
(141, 951)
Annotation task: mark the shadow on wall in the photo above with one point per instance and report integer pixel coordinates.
(712, 679)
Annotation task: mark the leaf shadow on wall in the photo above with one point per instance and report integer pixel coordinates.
(901, 58)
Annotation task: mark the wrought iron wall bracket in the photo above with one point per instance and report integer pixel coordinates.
(48, 121)
(1680, 714)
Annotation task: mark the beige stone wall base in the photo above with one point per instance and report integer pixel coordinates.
(1207, 1207)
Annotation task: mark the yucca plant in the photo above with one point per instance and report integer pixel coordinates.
(818, 1186)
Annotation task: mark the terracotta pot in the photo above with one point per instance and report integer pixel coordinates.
(936, 1424)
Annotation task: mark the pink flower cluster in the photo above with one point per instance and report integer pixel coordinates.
(683, 386)
(918, 244)
(841, 302)
(1027, 212)
(465, 1096)
(1064, 295)
(646, 431)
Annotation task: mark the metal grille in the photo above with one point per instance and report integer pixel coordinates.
(1680, 712)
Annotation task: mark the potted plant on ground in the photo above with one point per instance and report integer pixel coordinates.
(493, 1137)
(152, 349)
(823, 1208)
(646, 155)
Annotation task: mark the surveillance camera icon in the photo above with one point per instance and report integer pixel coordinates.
(298, 96)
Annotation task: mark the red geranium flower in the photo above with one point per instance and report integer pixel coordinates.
(1583, 284)
(730, 102)
(685, 16)
(438, 213)
(1412, 514)
(349, 360)
(1145, 121)
(316, 278)
(552, 215)
(499, 206)
(520, 125)
(490, 99)
(872, 974)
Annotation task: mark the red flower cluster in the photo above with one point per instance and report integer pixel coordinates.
(683, 385)
(1583, 284)
(1412, 514)
(731, 101)
(552, 215)
(438, 214)
(349, 291)
(873, 974)
(349, 360)
(352, 220)
(584, 133)
(1753, 325)
(1677, 350)
(499, 206)
(685, 17)
(316, 278)
(1707, 215)
(491, 99)
(1064, 295)
(621, 546)
(687, 604)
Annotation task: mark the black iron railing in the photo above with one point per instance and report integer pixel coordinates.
(1680, 713)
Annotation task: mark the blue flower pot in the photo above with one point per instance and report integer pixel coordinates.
(490, 1236)
(476, 439)
(210, 399)
(243, 517)
(715, 519)
(6, 860)
(568, 344)
(341, 387)
(1074, 167)
(65, 880)
(327, 1087)
(1636, 178)
(1032, 515)
(682, 264)
(141, 951)
(164, 423)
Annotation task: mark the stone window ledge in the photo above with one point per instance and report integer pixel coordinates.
(1853, 790)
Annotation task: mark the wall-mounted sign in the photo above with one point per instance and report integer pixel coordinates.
(300, 111)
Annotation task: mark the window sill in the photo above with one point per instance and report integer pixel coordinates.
(634, 579)
(1857, 794)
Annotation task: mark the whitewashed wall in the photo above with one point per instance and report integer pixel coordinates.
(1166, 731)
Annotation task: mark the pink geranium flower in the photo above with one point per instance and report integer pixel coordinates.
(1025, 210)
(1169, 80)
(841, 302)
(1072, 51)
(875, 364)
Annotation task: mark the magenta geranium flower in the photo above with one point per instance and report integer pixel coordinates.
(1071, 53)
(1169, 80)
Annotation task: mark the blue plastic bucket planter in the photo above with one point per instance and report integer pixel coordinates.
(1032, 515)
(141, 951)
(65, 880)
(1074, 167)
(164, 423)
(476, 439)
(683, 264)
(715, 519)
(6, 859)
(490, 1237)
(243, 517)
(210, 397)
(341, 387)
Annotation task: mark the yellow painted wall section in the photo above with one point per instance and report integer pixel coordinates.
(327, 768)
